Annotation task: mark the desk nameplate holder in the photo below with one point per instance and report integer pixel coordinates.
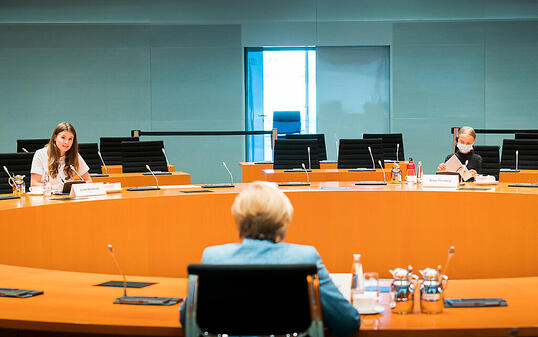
(143, 188)
(440, 180)
(508, 170)
(147, 300)
(87, 190)
(157, 173)
(366, 183)
(197, 191)
(19, 293)
(474, 302)
(523, 185)
(263, 162)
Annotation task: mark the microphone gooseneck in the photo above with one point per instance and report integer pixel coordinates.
(229, 172)
(451, 252)
(372, 157)
(517, 158)
(383, 170)
(309, 162)
(166, 158)
(72, 168)
(102, 161)
(111, 251)
(24, 149)
(306, 171)
(150, 171)
(397, 151)
(8, 174)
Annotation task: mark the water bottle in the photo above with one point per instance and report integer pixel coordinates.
(47, 185)
(357, 276)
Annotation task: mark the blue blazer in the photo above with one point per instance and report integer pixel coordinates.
(338, 314)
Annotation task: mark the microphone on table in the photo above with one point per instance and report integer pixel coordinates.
(306, 171)
(451, 252)
(517, 158)
(382, 169)
(224, 184)
(24, 149)
(111, 251)
(372, 157)
(150, 171)
(72, 168)
(102, 161)
(148, 300)
(336, 141)
(229, 172)
(166, 158)
(309, 162)
(397, 150)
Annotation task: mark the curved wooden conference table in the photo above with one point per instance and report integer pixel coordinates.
(72, 305)
(158, 233)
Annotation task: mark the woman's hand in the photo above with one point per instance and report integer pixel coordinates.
(474, 173)
(441, 167)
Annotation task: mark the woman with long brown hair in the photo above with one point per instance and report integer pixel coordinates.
(57, 157)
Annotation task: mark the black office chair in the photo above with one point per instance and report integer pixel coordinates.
(320, 137)
(390, 143)
(88, 151)
(253, 300)
(528, 154)
(526, 135)
(490, 159)
(291, 153)
(136, 155)
(31, 145)
(111, 148)
(17, 164)
(353, 153)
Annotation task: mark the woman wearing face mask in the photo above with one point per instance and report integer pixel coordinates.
(465, 153)
(57, 157)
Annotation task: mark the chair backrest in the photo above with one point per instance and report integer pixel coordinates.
(524, 135)
(353, 153)
(528, 154)
(136, 155)
(287, 121)
(291, 153)
(17, 164)
(253, 300)
(320, 137)
(88, 151)
(490, 159)
(111, 148)
(31, 145)
(390, 142)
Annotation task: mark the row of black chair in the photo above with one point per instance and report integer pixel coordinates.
(293, 151)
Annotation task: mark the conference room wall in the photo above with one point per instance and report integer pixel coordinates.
(110, 79)
(451, 74)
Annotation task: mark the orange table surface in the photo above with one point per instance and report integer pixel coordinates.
(138, 179)
(523, 176)
(252, 171)
(119, 169)
(160, 232)
(71, 304)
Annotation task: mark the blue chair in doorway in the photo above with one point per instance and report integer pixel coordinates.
(287, 122)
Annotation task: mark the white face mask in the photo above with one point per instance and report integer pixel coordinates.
(465, 148)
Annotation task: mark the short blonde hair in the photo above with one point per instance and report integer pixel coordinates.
(467, 130)
(262, 212)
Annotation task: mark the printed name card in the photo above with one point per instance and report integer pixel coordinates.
(88, 189)
(440, 180)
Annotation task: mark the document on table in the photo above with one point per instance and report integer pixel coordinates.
(455, 165)
(343, 283)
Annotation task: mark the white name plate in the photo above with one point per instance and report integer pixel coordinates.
(88, 189)
(440, 180)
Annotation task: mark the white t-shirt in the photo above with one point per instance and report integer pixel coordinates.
(40, 165)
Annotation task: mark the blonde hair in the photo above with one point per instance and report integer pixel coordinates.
(262, 212)
(467, 130)
(71, 156)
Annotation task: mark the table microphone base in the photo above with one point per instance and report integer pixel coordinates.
(143, 188)
(157, 173)
(218, 185)
(19, 293)
(98, 175)
(147, 300)
(509, 170)
(294, 183)
(361, 170)
(370, 183)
